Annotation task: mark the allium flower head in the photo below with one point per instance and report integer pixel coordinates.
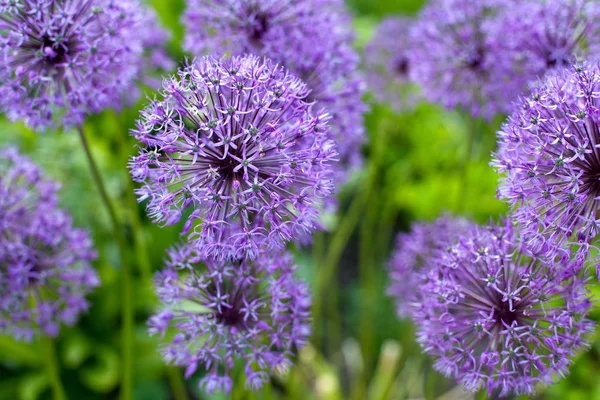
(501, 318)
(414, 255)
(549, 153)
(310, 38)
(389, 59)
(552, 34)
(249, 313)
(236, 142)
(45, 270)
(459, 61)
(155, 60)
(61, 60)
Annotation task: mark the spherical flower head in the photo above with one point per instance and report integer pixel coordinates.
(502, 318)
(389, 59)
(236, 142)
(155, 60)
(311, 38)
(554, 34)
(413, 256)
(253, 314)
(459, 62)
(548, 154)
(45, 270)
(62, 60)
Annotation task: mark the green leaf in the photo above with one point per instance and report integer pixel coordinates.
(18, 353)
(104, 373)
(32, 386)
(76, 350)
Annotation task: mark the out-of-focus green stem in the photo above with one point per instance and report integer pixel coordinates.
(52, 368)
(367, 283)
(318, 247)
(329, 266)
(177, 384)
(126, 284)
(387, 369)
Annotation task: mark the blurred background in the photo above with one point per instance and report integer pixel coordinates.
(418, 167)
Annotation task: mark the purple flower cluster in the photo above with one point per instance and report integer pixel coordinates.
(414, 256)
(548, 152)
(310, 38)
(252, 312)
(552, 35)
(45, 270)
(459, 58)
(61, 60)
(155, 60)
(502, 318)
(389, 60)
(237, 143)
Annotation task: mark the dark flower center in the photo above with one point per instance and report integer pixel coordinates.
(54, 52)
(260, 27)
(504, 313)
(591, 179)
(401, 66)
(475, 60)
(230, 316)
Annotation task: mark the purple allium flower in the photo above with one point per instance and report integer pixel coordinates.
(458, 59)
(236, 142)
(61, 60)
(155, 61)
(45, 270)
(501, 318)
(551, 34)
(311, 38)
(389, 59)
(548, 150)
(251, 313)
(414, 255)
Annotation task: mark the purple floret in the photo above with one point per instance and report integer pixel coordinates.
(414, 255)
(311, 38)
(389, 60)
(234, 148)
(45, 270)
(254, 314)
(549, 156)
(501, 318)
(62, 60)
(460, 57)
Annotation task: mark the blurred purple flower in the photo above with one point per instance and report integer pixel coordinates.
(500, 317)
(552, 34)
(414, 255)
(459, 59)
(254, 312)
(62, 60)
(311, 38)
(548, 152)
(237, 143)
(389, 58)
(155, 61)
(45, 270)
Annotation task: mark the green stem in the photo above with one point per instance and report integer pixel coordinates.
(367, 269)
(328, 268)
(58, 392)
(177, 384)
(127, 301)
